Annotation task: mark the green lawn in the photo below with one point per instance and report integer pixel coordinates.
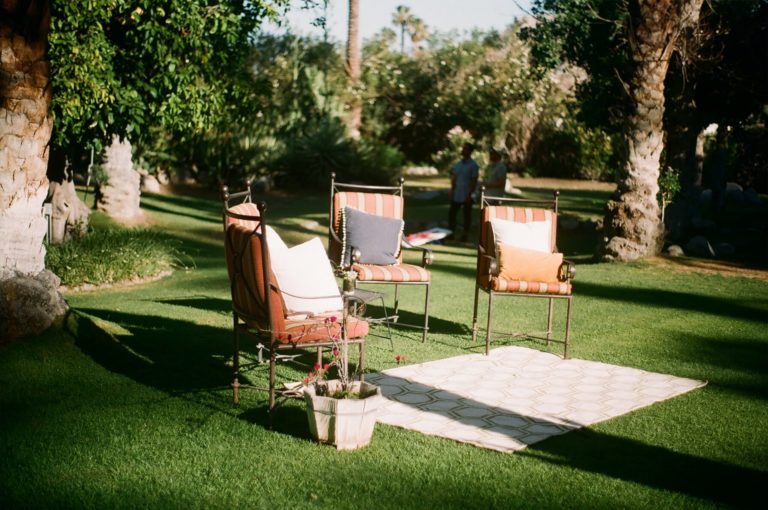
(128, 405)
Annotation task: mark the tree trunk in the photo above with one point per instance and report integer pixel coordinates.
(632, 226)
(29, 297)
(353, 69)
(119, 196)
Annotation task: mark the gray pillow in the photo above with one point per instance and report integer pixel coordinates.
(377, 237)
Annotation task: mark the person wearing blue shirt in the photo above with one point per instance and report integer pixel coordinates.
(464, 176)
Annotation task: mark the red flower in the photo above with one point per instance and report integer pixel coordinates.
(335, 352)
(333, 318)
(311, 375)
(306, 381)
(398, 358)
(317, 366)
(326, 366)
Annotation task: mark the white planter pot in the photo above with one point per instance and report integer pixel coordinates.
(346, 423)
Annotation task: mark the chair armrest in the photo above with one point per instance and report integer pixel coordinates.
(427, 257)
(493, 264)
(566, 271)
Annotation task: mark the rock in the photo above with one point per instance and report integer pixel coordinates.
(150, 184)
(723, 250)
(675, 251)
(751, 196)
(732, 186)
(30, 304)
(706, 196)
(700, 223)
(699, 247)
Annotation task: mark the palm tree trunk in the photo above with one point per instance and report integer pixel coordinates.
(632, 226)
(353, 69)
(29, 297)
(25, 129)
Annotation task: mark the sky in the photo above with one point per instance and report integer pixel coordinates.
(440, 15)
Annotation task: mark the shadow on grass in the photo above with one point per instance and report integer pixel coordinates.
(652, 466)
(671, 299)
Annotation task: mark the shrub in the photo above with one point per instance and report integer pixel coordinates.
(112, 255)
(572, 151)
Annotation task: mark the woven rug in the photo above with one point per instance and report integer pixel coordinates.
(515, 396)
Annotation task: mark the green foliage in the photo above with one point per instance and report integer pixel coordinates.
(112, 255)
(572, 151)
(309, 159)
(669, 186)
(121, 67)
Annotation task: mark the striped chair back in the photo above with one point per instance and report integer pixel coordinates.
(516, 214)
(380, 204)
(249, 269)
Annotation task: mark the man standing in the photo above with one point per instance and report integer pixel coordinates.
(464, 176)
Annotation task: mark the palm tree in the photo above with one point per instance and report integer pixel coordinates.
(401, 18)
(353, 68)
(25, 124)
(418, 31)
(29, 296)
(633, 219)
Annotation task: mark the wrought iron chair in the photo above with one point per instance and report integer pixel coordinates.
(386, 202)
(491, 280)
(257, 304)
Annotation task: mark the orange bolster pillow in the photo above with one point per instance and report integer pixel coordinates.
(528, 265)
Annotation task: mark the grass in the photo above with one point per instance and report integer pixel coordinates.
(127, 405)
(113, 254)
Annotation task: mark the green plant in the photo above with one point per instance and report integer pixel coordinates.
(112, 255)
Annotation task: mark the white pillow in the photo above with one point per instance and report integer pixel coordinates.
(534, 235)
(305, 277)
(277, 247)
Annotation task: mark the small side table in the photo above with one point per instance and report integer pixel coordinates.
(366, 296)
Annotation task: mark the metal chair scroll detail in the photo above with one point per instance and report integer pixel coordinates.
(488, 277)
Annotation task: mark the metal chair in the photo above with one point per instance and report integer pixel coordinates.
(257, 305)
(488, 278)
(388, 202)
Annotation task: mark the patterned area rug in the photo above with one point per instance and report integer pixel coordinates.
(516, 396)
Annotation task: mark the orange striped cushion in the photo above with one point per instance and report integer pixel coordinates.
(317, 330)
(380, 204)
(246, 209)
(396, 273)
(526, 287)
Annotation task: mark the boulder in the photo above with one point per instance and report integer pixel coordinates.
(723, 250)
(675, 251)
(30, 304)
(699, 246)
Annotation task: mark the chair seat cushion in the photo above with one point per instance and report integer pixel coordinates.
(316, 329)
(396, 273)
(525, 287)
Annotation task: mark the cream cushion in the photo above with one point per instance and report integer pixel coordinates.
(534, 235)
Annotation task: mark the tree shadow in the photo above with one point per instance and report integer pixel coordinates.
(676, 300)
(653, 466)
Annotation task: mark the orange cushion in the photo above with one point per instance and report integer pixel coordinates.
(531, 265)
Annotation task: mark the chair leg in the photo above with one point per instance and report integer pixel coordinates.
(474, 314)
(236, 362)
(567, 328)
(426, 315)
(386, 321)
(549, 320)
(488, 327)
(272, 379)
(397, 299)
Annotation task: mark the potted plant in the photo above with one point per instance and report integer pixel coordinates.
(341, 411)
